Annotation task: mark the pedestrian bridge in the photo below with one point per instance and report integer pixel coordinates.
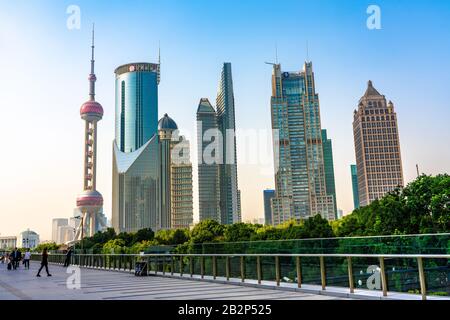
(205, 277)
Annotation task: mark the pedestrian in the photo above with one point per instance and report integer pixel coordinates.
(8, 261)
(68, 257)
(15, 257)
(26, 259)
(44, 263)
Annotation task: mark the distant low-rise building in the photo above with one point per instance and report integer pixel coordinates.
(8, 242)
(28, 239)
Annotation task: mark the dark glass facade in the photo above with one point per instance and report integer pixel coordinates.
(329, 167)
(354, 173)
(268, 195)
(136, 105)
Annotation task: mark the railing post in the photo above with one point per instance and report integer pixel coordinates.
(351, 284)
(242, 269)
(423, 287)
(299, 271)
(383, 277)
(172, 265)
(258, 268)
(164, 265)
(202, 266)
(191, 266)
(181, 266)
(156, 265)
(227, 268)
(323, 273)
(214, 267)
(277, 269)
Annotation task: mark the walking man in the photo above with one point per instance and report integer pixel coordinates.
(44, 263)
(26, 259)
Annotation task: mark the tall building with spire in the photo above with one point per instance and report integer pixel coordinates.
(136, 173)
(377, 146)
(149, 191)
(228, 180)
(219, 195)
(300, 185)
(90, 201)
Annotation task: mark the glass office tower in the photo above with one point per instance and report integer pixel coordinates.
(299, 174)
(136, 104)
(208, 170)
(229, 198)
(354, 173)
(268, 195)
(329, 167)
(136, 174)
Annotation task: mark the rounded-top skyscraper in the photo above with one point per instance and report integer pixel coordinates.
(90, 201)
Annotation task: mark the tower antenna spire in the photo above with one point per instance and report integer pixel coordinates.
(159, 62)
(276, 53)
(307, 50)
(92, 77)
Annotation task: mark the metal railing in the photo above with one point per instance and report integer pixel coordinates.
(170, 263)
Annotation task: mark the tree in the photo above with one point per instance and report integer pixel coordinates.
(49, 246)
(126, 237)
(172, 237)
(239, 232)
(146, 234)
(114, 246)
(317, 227)
(207, 231)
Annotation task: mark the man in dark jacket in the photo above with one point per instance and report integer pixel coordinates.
(16, 256)
(68, 257)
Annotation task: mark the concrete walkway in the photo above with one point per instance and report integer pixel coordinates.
(23, 284)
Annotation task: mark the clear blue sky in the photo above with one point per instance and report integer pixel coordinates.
(45, 65)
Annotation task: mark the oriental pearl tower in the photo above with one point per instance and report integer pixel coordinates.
(90, 201)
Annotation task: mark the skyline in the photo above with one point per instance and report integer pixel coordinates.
(51, 62)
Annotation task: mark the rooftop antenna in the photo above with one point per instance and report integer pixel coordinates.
(276, 53)
(307, 51)
(159, 62)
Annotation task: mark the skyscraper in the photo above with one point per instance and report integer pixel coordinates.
(299, 171)
(136, 171)
(90, 202)
(229, 206)
(329, 167)
(354, 173)
(181, 191)
(175, 177)
(56, 223)
(377, 146)
(268, 215)
(219, 196)
(208, 169)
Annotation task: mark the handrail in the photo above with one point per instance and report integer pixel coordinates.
(128, 262)
(312, 255)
